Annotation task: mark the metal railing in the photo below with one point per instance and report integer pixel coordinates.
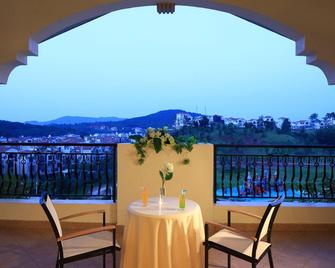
(64, 170)
(251, 171)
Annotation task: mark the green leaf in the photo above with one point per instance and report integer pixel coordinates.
(135, 137)
(168, 176)
(178, 148)
(157, 145)
(162, 175)
(180, 143)
(186, 161)
(189, 147)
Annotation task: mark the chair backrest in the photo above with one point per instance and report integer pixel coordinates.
(265, 226)
(51, 213)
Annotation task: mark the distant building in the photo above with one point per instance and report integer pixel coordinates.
(72, 139)
(138, 130)
(279, 122)
(301, 124)
(238, 122)
(183, 119)
(329, 122)
(268, 118)
(210, 119)
(252, 122)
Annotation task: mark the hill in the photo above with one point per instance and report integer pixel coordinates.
(159, 119)
(70, 125)
(15, 129)
(71, 120)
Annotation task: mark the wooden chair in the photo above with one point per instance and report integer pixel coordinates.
(240, 245)
(82, 244)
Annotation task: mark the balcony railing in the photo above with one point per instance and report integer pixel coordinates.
(66, 171)
(88, 171)
(298, 172)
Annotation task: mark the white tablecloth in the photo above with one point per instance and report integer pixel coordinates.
(163, 236)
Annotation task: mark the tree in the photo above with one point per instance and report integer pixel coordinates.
(230, 129)
(326, 136)
(249, 129)
(269, 125)
(203, 122)
(217, 119)
(313, 117)
(195, 124)
(329, 117)
(248, 125)
(286, 126)
(260, 122)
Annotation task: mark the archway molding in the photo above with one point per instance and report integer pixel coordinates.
(20, 40)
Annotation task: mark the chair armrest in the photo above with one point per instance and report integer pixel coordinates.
(240, 233)
(223, 226)
(101, 211)
(86, 232)
(244, 213)
(216, 224)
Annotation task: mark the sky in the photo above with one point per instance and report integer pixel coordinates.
(135, 62)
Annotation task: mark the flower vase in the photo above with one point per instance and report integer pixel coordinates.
(162, 192)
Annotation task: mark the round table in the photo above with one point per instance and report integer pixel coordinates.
(162, 235)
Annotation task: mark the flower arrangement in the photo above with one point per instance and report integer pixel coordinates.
(157, 139)
(166, 173)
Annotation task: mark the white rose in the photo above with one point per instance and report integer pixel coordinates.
(169, 167)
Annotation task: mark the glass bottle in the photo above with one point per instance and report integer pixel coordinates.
(144, 197)
(162, 193)
(182, 199)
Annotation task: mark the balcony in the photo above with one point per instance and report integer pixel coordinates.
(108, 177)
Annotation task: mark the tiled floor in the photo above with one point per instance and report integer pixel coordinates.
(37, 248)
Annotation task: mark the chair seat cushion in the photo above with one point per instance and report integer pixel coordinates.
(237, 242)
(86, 243)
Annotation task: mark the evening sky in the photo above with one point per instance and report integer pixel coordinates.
(136, 62)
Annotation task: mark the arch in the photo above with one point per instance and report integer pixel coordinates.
(64, 22)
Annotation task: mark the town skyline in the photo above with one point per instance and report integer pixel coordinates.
(90, 119)
(175, 120)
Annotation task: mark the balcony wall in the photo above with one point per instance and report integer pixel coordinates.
(197, 178)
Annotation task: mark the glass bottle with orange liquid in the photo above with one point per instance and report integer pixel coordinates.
(144, 197)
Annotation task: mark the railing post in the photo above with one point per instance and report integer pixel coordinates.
(114, 172)
(1, 174)
(215, 174)
(331, 180)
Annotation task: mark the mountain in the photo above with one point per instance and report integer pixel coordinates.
(159, 119)
(71, 125)
(15, 129)
(71, 120)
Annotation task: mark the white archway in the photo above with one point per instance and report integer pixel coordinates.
(96, 10)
